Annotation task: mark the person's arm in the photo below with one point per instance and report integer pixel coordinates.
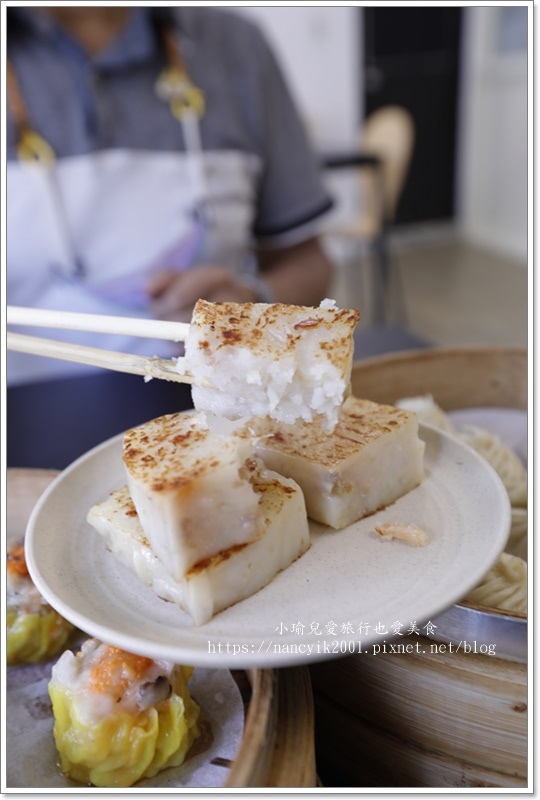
(300, 275)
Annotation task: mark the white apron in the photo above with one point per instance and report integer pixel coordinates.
(86, 234)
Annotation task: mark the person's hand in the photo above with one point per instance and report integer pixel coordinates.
(174, 294)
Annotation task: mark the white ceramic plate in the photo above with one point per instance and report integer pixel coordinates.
(351, 591)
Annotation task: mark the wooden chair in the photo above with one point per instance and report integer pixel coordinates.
(388, 134)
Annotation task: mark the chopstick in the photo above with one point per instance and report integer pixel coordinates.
(150, 367)
(97, 323)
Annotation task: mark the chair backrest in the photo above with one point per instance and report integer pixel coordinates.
(389, 133)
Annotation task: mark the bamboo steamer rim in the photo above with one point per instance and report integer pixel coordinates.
(499, 612)
(457, 378)
(396, 752)
(278, 746)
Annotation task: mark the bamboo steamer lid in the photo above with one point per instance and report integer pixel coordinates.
(278, 744)
(464, 377)
(431, 718)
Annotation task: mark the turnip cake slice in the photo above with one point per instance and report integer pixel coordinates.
(233, 574)
(373, 457)
(282, 361)
(190, 488)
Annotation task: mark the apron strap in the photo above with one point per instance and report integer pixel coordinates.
(30, 145)
(186, 102)
(172, 51)
(174, 84)
(15, 100)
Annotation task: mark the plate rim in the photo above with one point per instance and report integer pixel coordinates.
(246, 661)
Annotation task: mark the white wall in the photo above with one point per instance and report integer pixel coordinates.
(492, 155)
(320, 51)
(317, 47)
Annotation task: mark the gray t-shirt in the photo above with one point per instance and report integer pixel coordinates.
(81, 104)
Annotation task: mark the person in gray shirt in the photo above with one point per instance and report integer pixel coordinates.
(155, 157)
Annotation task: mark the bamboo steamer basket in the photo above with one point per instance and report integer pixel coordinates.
(464, 377)
(428, 718)
(437, 720)
(278, 744)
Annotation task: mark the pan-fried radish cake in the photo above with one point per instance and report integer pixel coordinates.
(373, 457)
(282, 361)
(231, 575)
(190, 488)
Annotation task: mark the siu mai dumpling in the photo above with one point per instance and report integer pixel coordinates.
(504, 586)
(119, 717)
(34, 631)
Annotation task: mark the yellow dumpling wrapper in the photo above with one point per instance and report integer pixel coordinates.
(34, 636)
(35, 631)
(120, 749)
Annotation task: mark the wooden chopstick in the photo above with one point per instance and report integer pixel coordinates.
(150, 367)
(97, 323)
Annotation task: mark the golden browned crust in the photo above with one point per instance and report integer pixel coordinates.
(361, 422)
(249, 324)
(160, 452)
